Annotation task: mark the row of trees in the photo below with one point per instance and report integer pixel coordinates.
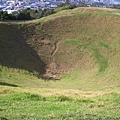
(29, 14)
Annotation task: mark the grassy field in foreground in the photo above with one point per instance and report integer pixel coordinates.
(16, 105)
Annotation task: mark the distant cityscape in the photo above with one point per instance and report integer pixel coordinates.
(18, 5)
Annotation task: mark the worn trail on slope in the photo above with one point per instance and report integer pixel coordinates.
(55, 49)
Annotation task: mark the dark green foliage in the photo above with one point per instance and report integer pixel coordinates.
(61, 98)
(64, 98)
(70, 6)
(47, 12)
(6, 16)
(26, 14)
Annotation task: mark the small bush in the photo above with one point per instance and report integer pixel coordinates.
(85, 100)
(35, 97)
(61, 98)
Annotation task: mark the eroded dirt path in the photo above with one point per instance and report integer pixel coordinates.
(52, 68)
(55, 49)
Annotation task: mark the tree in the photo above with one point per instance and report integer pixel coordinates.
(24, 15)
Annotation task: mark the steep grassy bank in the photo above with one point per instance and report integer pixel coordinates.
(81, 44)
(77, 52)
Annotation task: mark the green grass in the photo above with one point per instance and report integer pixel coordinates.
(104, 44)
(100, 60)
(83, 73)
(22, 105)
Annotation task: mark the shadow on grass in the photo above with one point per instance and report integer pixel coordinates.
(7, 84)
(15, 50)
(3, 118)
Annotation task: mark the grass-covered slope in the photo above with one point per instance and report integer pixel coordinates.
(77, 52)
(82, 44)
